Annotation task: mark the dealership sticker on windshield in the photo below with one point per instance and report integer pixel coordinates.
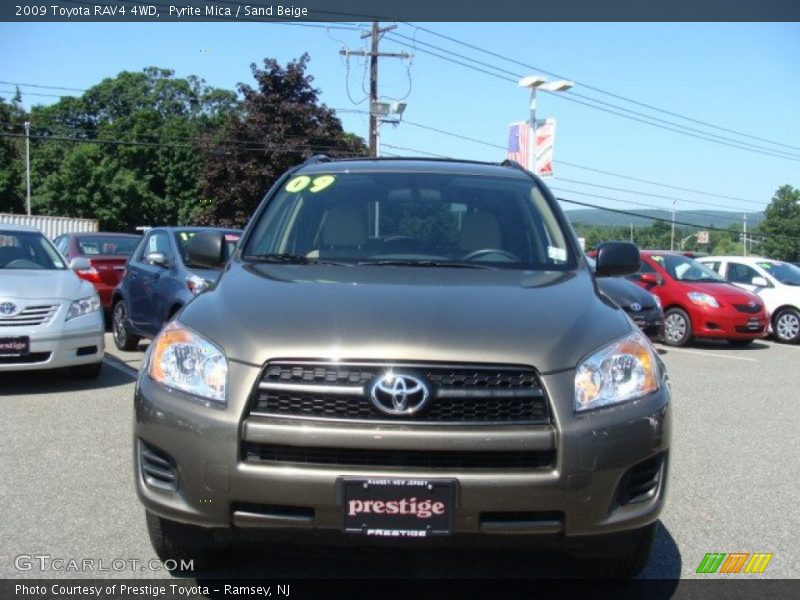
(301, 182)
(557, 253)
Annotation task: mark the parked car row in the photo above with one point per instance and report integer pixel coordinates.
(53, 294)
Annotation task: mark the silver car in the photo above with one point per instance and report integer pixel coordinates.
(49, 317)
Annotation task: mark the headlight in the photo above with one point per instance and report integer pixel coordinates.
(621, 371)
(84, 306)
(703, 299)
(184, 360)
(197, 284)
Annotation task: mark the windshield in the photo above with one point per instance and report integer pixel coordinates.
(682, 268)
(422, 219)
(784, 272)
(107, 245)
(231, 239)
(28, 250)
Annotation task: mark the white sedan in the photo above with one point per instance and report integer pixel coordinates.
(49, 317)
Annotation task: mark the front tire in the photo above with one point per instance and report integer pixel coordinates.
(191, 548)
(677, 327)
(123, 338)
(627, 565)
(786, 326)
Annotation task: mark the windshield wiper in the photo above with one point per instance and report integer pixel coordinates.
(292, 259)
(426, 263)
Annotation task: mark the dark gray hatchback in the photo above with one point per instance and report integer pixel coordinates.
(405, 349)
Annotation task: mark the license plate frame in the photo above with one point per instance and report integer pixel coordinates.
(412, 499)
(15, 346)
(755, 324)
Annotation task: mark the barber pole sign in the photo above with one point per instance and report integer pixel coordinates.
(518, 146)
(545, 136)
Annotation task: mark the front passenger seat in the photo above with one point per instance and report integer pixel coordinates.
(344, 232)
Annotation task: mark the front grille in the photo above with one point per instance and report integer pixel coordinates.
(27, 359)
(459, 394)
(420, 459)
(30, 316)
(746, 308)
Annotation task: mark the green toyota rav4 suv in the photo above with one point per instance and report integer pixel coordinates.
(405, 349)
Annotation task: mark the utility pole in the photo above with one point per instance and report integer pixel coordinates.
(744, 235)
(672, 238)
(375, 34)
(28, 166)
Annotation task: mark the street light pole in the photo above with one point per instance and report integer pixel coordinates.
(536, 82)
(28, 166)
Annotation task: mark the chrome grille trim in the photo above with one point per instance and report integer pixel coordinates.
(31, 316)
(461, 394)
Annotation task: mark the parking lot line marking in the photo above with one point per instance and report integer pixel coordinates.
(711, 354)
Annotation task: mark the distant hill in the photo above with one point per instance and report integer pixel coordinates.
(701, 218)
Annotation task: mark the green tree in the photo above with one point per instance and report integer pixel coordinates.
(139, 152)
(12, 158)
(280, 124)
(782, 225)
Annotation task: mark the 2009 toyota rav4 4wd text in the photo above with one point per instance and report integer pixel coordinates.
(405, 349)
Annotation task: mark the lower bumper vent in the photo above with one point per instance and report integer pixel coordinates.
(641, 482)
(158, 468)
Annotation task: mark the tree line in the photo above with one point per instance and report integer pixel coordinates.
(777, 236)
(150, 148)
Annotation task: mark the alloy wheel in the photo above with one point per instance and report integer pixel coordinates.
(675, 328)
(787, 326)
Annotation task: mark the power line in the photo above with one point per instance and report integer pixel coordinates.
(597, 89)
(642, 118)
(647, 181)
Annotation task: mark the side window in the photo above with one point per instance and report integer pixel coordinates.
(739, 273)
(714, 266)
(158, 241)
(61, 244)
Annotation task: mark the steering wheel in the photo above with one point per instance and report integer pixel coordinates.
(477, 254)
(23, 263)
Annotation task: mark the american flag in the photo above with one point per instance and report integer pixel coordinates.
(518, 143)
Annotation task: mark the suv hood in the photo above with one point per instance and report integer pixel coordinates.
(548, 320)
(61, 284)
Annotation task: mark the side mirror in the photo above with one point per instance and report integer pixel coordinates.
(157, 258)
(650, 278)
(80, 264)
(760, 282)
(207, 249)
(617, 258)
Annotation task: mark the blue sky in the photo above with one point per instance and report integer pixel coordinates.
(741, 76)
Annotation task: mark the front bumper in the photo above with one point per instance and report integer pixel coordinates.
(60, 344)
(727, 323)
(578, 494)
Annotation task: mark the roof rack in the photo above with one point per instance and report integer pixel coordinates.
(513, 164)
(317, 158)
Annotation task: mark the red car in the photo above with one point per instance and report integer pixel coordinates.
(698, 302)
(107, 254)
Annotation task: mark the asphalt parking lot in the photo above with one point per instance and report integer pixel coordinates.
(66, 481)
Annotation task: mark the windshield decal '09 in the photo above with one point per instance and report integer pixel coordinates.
(301, 182)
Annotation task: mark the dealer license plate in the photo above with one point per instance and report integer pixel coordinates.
(398, 507)
(755, 325)
(15, 346)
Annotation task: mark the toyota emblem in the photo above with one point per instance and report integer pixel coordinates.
(7, 308)
(399, 395)
(636, 307)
